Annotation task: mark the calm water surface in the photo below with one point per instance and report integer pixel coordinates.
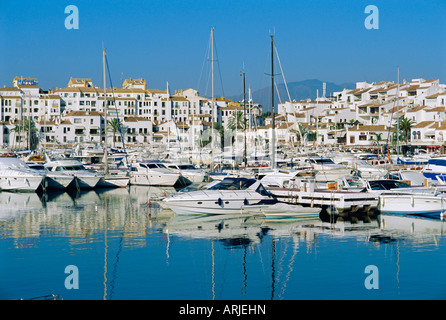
(125, 249)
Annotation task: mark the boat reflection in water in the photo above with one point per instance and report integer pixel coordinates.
(129, 247)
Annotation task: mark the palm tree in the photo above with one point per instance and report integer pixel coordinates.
(236, 121)
(18, 128)
(405, 126)
(115, 126)
(300, 133)
(28, 126)
(378, 138)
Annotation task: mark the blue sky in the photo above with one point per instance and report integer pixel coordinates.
(166, 40)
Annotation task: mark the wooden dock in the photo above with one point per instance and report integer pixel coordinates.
(337, 202)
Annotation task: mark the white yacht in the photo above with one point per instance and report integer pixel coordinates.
(229, 196)
(282, 210)
(152, 173)
(83, 177)
(115, 178)
(284, 177)
(189, 174)
(55, 180)
(397, 197)
(363, 168)
(327, 169)
(16, 175)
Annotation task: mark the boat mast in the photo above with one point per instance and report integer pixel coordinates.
(244, 119)
(398, 112)
(273, 136)
(212, 104)
(105, 115)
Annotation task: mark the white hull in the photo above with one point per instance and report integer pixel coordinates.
(86, 182)
(58, 181)
(113, 182)
(411, 204)
(20, 183)
(231, 202)
(153, 179)
(283, 210)
(331, 174)
(194, 177)
(193, 209)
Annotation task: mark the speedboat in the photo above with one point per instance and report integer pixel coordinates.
(229, 196)
(281, 210)
(16, 175)
(412, 203)
(55, 180)
(114, 179)
(327, 169)
(364, 168)
(153, 173)
(435, 169)
(188, 173)
(83, 178)
(284, 177)
(398, 197)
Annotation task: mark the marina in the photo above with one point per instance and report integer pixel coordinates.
(127, 249)
(138, 162)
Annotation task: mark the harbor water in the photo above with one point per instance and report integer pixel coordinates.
(113, 244)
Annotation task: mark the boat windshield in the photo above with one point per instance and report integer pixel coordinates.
(233, 184)
(186, 167)
(387, 184)
(152, 165)
(322, 161)
(69, 168)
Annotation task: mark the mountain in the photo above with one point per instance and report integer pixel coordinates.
(299, 90)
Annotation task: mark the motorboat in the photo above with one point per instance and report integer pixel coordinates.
(16, 175)
(284, 177)
(282, 210)
(229, 196)
(83, 178)
(398, 197)
(363, 168)
(114, 179)
(327, 169)
(152, 173)
(55, 180)
(435, 169)
(412, 203)
(188, 173)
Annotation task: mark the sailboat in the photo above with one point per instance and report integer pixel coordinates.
(117, 178)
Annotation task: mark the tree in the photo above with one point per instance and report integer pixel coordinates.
(236, 121)
(405, 126)
(378, 138)
(28, 126)
(266, 114)
(114, 125)
(300, 133)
